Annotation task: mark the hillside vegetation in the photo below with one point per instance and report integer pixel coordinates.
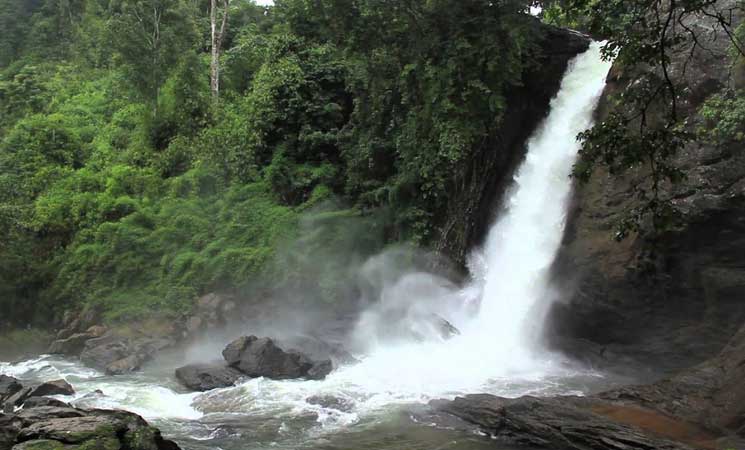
(126, 183)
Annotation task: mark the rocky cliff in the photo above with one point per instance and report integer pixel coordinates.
(489, 171)
(676, 300)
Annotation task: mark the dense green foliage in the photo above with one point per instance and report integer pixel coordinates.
(341, 124)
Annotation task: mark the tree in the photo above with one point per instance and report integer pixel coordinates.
(216, 43)
(149, 37)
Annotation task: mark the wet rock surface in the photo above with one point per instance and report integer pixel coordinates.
(700, 407)
(262, 357)
(671, 301)
(564, 423)
(15, 394)
(56, 427)
(203, 377)
(471, 208)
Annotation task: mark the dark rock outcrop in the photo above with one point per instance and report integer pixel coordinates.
(56, 387)
(9, 386)
(203, 377)
(116, 354)
(23, 394)
(489, 171)
(674, 300)
(9, 429)
(261, 357)
(72, 345)
(560, 423)
(105, 429)
(318, 349)
(35, 402)
(56, 427)
(211, 311)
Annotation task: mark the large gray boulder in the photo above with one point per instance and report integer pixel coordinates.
(56, 387)
(261, 357)
(203, 377)
(50, 427)
(118, 355)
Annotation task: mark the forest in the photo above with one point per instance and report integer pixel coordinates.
(155, 150)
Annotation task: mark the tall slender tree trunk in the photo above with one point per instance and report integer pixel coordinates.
(216, 43)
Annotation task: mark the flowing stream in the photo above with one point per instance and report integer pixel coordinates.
(498, 350)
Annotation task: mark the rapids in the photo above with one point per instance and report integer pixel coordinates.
(498, 350)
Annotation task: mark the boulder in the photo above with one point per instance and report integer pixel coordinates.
(8, 387)
(96, 331)
(56, 387)
(318, 349)
(102, 351)
(9, 429)
(19, 397)
(127, 364)
(211, 311)
(118, 355)
(320, 369)
(72, 345)
(203, 377)
(49, 427)
(35, 402)
(559, 423)
(261, 357)
(29, 416)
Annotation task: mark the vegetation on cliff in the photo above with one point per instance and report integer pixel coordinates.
(128, 182)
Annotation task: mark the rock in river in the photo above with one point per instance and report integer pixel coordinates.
(203, 377)
(261, 357)
(51, 427)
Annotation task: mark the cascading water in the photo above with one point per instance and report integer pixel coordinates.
(495, 352)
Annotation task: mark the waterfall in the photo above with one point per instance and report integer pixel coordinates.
(511, 278)
(522, 243)
(498, 313)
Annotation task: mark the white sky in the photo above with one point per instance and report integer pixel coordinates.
(264, 2)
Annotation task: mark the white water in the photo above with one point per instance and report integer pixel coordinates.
(497, 351)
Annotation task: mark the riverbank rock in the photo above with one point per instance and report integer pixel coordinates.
(56, 387)
(23, 394)
(318, 349)
(35, 402)
(669, 299)
(203, 377)
(559, 423)
(261, 357)
(211, 311)
(116, 354)
(9, 386)
(55, 428)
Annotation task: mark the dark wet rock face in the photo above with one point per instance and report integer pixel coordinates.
(9, 386)
(56, 387)
(563, 423)
(203, 377)
(261, 357)
(35, 402)
(115, 354)
(490, 169)
(675, 301)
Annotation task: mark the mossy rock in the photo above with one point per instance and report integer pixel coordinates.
(106, 443)
(43, 444)
(142, 438)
